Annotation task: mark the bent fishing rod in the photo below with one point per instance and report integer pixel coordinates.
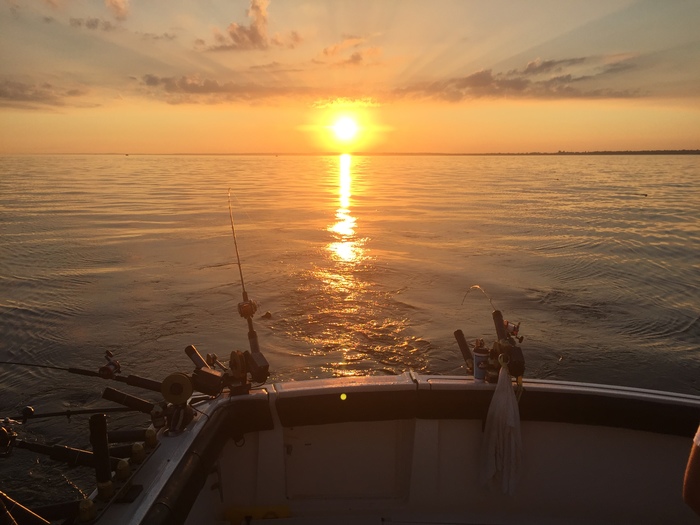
(259, 367)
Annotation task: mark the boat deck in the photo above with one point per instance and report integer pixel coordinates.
(407, 450)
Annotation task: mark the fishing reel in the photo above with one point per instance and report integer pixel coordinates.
(247, 309)
(7, 437)
(243, 368)
(512, 330)
(512, 354)
(111, 369)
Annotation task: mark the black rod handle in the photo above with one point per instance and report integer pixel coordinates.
(498, 323)
(112, 394)
(141, 382)
(83, 372)
(464, 348)
(126, 436)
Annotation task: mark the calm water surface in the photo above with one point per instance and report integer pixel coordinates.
(362, 262)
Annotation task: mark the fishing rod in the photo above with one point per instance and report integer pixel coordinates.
(129, 404)
(255, 360)
(205, 378)
(238, 257)
(35, 365)
(477, 287)
(107, 371)
(28, 413)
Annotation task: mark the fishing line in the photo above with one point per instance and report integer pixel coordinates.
(235, 243)
(35, 365)
(200, 411)
(72, 484)
(476, 286)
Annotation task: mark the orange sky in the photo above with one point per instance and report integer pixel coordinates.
(171, 76)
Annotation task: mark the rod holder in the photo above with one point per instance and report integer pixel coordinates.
(100, 449)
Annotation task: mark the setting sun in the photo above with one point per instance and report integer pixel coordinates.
(345, 128)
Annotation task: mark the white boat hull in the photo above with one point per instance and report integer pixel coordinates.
(406, 449)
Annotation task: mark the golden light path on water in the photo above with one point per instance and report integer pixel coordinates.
(350, 322)
(347, 248)
(346, 251)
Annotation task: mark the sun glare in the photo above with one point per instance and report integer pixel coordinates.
(345, 129)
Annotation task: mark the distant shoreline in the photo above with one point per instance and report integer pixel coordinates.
(544, 154)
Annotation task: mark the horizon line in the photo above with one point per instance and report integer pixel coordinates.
(392, 154)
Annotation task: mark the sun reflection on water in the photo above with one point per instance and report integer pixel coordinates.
(346, 247)
(351, 324)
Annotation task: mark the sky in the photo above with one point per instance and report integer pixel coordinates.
(413, 76)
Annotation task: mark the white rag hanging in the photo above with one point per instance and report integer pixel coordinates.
(501, 446)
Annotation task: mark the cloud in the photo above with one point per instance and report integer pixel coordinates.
(291, 41)
(343, 103)
(238, 37)
(350, 51)
(155, 36)
(32, 96)
(349, 41)
(539, 66)
(195, 89)
(270, 66)
(570, 78)
(92, 23)
(276, 67)
(118, 8)
(583, 77)
(253, 36)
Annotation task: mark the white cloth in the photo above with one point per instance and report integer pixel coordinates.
(501, 445)
(696, 439)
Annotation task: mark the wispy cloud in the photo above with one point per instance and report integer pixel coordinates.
(92, 24)
(347, 42)
(580, 77)
(573, 78)
(539, 66)
(351, 50)
(157, 36)
(362, 57)
(197, 89)
(32, 96)
(344, 103)
(241, 37)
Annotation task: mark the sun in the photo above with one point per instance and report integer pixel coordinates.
(345, 129)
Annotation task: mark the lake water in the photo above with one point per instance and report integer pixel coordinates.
(362, 262)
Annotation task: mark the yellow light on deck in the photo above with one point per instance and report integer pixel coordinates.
(343, 397)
